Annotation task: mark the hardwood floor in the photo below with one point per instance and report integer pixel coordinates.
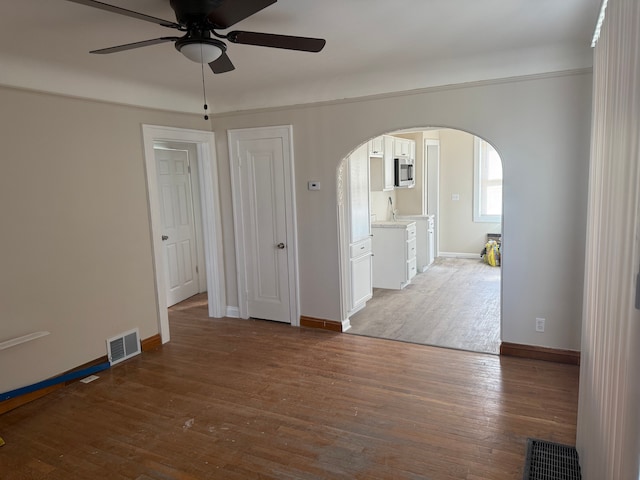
(454, 304)
(244, 399)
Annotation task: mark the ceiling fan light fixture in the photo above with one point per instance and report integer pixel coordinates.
(200, 52)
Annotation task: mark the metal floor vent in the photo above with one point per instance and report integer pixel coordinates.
(551, 461)
(123, 346)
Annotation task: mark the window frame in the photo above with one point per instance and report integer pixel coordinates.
(479, 184)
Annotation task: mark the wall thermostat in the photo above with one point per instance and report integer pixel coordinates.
(313, 185)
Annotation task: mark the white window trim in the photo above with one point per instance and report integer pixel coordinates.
(477, 188)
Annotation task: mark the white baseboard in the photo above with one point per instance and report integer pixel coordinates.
(346, 325)
(475, 256)
(233, 312)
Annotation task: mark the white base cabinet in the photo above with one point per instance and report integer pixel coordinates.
(425, 254)
(394, 254)
(361, 275)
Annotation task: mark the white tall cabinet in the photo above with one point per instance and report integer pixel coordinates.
(359, 223)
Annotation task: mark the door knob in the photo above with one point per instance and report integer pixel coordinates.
(280, 245)
(165, 237)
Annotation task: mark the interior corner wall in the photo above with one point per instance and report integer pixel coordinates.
(459, 233)
(541, 127)
(76, 248)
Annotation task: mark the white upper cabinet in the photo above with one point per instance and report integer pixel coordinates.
(404, 148)
(376, 147)
(382, 168)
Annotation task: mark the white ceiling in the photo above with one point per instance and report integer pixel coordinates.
(373, 47)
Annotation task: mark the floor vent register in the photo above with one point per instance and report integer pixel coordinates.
(551, 461)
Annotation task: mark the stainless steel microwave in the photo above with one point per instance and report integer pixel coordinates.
(404, 172)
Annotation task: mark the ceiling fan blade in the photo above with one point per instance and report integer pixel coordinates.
(231, 12)
(288, 42)
(222, 64)
(128, 13)
(130, 46)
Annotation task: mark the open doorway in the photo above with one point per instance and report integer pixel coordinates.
(450, 216)
(181, 220)
(203, 144)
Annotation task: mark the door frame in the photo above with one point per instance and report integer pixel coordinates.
(425, 174)
(211, 218)
(284, 132)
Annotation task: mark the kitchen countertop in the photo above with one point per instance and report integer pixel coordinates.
(392, 224)
(415, 217)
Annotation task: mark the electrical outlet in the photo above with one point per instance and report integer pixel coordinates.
(540, 324)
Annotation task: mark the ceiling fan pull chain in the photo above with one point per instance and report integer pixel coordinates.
(204, 89)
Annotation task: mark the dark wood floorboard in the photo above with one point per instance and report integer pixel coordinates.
(454, 304)
(243, 399)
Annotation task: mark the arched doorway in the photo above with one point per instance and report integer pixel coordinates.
(455, 208)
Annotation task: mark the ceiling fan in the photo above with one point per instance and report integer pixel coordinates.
(200, 19)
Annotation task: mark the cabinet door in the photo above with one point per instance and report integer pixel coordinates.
(361, 280)
(359, 209)
(376, 147)
(389, 166)
(401, 147)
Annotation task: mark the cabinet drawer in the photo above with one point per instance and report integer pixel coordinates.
(411, 269)
(411, 249)
(360, 248)
(411, 231)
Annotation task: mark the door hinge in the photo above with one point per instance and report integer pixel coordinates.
(197, 269)
(189, 169)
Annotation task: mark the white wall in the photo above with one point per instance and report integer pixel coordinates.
(380, 206)
(77, 257)
(459, 234)
(608, 435)
(76, 247)
(540, 126)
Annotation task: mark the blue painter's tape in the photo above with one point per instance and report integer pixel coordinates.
(85, 372)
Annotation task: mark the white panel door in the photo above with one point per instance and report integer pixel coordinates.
(262, 179)
(178, 235)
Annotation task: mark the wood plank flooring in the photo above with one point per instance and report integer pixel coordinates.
(244, 399)
(454, 304)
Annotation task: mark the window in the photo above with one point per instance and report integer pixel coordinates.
(487, 172)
